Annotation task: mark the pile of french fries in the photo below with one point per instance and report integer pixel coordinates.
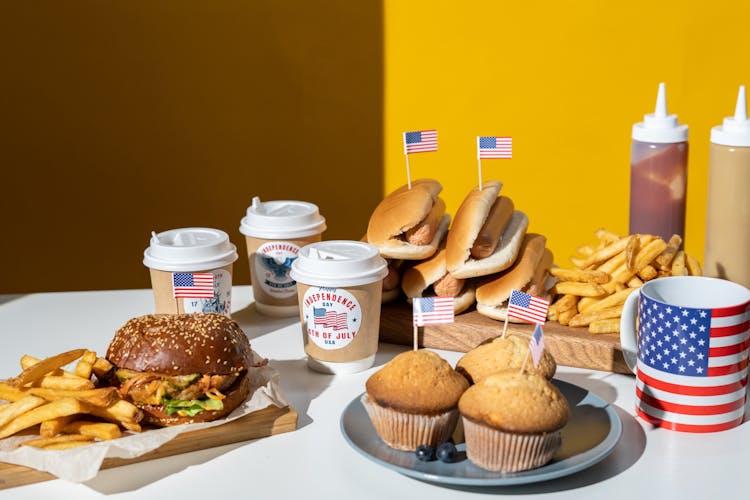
(65, 408)
(593, 293)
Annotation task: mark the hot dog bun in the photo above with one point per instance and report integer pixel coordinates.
(470, 222)
(418, 278)
(417, 212)
(529, 270)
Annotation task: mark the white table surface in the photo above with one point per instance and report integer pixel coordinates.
(315, 461)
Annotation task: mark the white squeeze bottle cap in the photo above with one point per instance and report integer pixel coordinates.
(660, 126)
(735, 131)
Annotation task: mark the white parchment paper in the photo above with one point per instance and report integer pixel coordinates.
(83, 463)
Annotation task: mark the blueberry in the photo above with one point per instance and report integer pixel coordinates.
(425, 453)
(446, 452)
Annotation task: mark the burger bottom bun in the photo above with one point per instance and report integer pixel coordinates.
(399, 249)
(156, 415)
(504, 255)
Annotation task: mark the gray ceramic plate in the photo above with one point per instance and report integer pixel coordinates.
(591, 434)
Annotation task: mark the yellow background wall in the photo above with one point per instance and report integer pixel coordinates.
(567, 80)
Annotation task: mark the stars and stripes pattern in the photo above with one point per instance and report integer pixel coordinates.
(525, 307)
(494, 147)
(692, 365)
(433, 310)
(193, 285)
(329, 318)
(420, 141)
(536, 344)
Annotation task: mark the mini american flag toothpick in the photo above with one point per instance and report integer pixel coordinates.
(420, 141)
(494, 147)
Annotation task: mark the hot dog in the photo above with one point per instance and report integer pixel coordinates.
(486, 234)
(431, 274)
(409, 223)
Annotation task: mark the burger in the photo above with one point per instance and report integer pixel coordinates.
(181, 369)
(530, 274)
(410, 222)
(486, 234)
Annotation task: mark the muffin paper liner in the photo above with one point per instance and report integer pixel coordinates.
(406, 431)
(500, 451)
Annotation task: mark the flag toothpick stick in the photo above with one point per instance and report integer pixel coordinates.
(416, 337)
(408, 172)
(525, 361)
(479, 163)
(505, 327)
(419, 141)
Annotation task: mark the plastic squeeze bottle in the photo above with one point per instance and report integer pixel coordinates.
(658, 173)
(727, 251)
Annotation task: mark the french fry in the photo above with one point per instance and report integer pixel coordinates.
(613, 300)
(605, 326)
(678, 264)
(85, 364)
(579, 289)
(584, 276)
(649, 253)
(606, 237)
(630, 251)
(102, 368)
(586, 303)
(38, 370)
(634, 282)
(65, 383)
(67, 445)
(647, 273)
(577, 261)
(13, 410)
(612, 264)
(585, 250)
(103, 396)
(664, 260)
(28, 360)
(10, 393)
(608, 251)
(53, 409)
(122, 412)
(694, 268)
(44, 442)
(99, 430)
(584, 319)
(54, 426)
(564, 316)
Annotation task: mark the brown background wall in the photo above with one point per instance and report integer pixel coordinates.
(117, 119)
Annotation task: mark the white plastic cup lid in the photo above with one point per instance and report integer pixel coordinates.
(282, 219)
(339, 263)
(189, 249)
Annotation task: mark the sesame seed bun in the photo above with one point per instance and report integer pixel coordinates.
(181, 344)
(161, 347)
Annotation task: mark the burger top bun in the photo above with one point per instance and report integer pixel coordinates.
(467, 224)
(401, 211)
(181, 344)
(496, 291)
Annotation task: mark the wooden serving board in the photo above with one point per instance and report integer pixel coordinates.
(262, 423)
(569, 346)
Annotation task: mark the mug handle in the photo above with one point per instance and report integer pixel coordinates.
(627, 331)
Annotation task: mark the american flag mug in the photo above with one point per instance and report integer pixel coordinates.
(686, 338)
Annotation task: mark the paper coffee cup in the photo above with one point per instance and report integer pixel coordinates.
(191, 270)
(274, 233)
(339, 284)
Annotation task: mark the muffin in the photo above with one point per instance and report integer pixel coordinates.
(501, 354)
(413, 400)
(512, 421)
